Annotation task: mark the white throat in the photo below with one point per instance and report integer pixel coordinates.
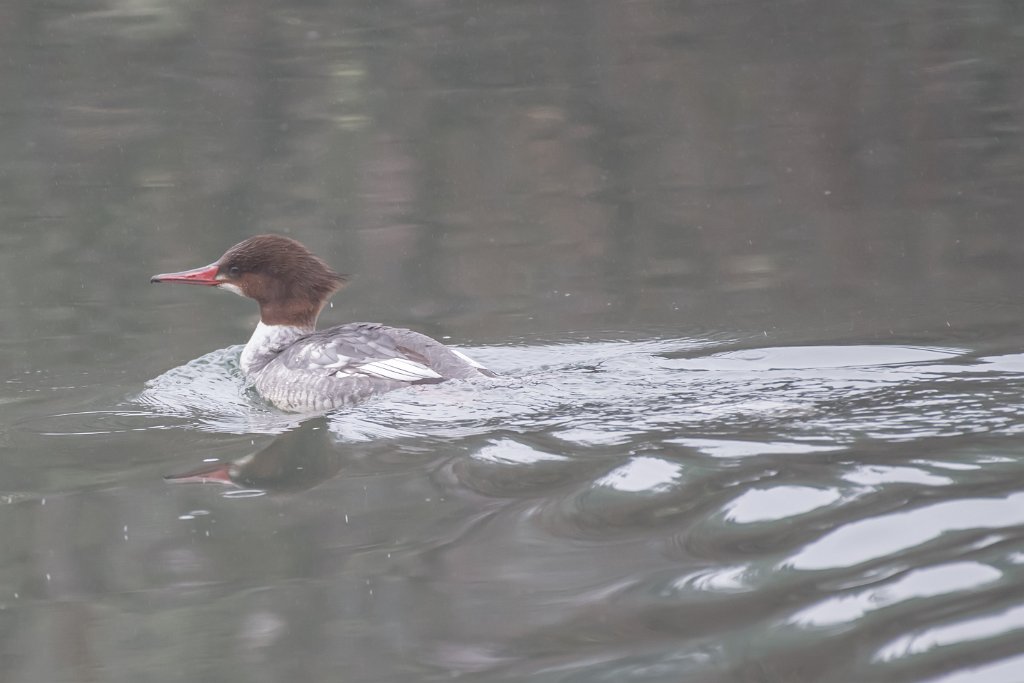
(265, 343)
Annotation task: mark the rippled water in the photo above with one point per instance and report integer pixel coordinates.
(750, 274)
(657, 509)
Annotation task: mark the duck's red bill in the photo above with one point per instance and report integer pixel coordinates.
(207, 275)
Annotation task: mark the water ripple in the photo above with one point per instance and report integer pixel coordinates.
(656, 506)
(594, 394)
(920, 583)
(877, 537)
(1005, 670)
(780, 502)
(1001, 622)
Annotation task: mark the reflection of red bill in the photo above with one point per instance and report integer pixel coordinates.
(215, 473)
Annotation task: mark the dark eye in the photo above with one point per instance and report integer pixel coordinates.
(233, 271)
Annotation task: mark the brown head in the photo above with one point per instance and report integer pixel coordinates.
(289, 282)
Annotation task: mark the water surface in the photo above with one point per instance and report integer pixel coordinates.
(749, 274)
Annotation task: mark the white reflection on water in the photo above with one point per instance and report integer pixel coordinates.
(820, 357)
(877, 537)
(244, 493)
(766, 505)
(1003, 622)
(921, 583)
(1005, 670)
(1011, 363)
(876, 475)
(645, 473)
(726, 448)
(595, 436)
(955, 466)
(509, 452)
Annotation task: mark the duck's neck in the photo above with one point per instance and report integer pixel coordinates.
(290, 312)
(266, 342)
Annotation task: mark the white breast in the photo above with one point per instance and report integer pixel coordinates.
(267, 341)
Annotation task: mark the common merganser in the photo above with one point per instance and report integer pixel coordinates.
(297, 368)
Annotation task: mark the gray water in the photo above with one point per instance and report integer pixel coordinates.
(750, 274)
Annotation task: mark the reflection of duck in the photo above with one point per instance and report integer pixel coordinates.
(297, 368)
(294, 461)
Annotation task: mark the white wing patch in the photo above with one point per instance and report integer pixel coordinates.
(475, 364)
(401, 369)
